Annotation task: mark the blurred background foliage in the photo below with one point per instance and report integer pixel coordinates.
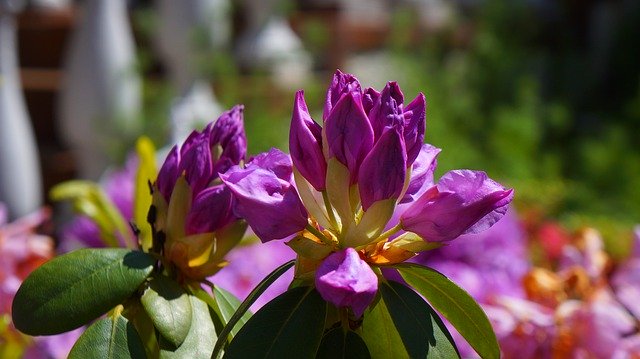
(543, 95)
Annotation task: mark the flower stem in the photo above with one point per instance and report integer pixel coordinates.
(327, 204)
(390, 232)
(319, 234)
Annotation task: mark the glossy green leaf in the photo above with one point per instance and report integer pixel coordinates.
(248, 301)
(169, 308)
(423, 333)
(138, 317)
(338, 343)
(456, 305)
(227, 306)
(290, 326)
(109, 338)
(382, 338)
(71, 290)
(201, 338)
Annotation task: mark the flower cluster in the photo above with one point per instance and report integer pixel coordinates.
(358, 192)
(193, 224)
(587, 307)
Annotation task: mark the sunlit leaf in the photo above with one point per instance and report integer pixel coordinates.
(422, 332)
(109, 338)
(456, 305)
(227, 305)
(382, 338)
(201, 338)
(71, 290)
(169, 308)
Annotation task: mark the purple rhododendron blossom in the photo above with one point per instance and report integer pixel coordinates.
(347, 281)
(265, 196)
(363, 171)
(305, 144)
(192, 208)
(462, 202)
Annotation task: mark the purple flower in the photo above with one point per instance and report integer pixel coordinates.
(193, 209)
(348, 133)
(227, 133)
(305, 144)
(345, 280)
(462, 202)
(356, 182)
(626, 279)
(382, 174)
(597, 327)
(488, 264)
(205, 154)
(265, 196)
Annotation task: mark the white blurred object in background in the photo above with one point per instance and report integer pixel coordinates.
(50, 4)
(180, 23)
(269, 43)
(20, 178)
(100, 96)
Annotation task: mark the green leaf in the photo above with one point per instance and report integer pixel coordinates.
(456, 305)
(169, 308)
(414, 243)
(71, 290)
(248, 301)
(423, 333)
(227, 305)
(109, 338)
(290, 326)
(201, 338)
(382, 338)
(340, 344)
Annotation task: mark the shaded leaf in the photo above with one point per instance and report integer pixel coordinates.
(423, 333)
(456, 305)
(227, 306)
(201, 338)
(71, 290)
(290, 326)
(109, 338)
(248, 301)
(169, 308)
(340, 344)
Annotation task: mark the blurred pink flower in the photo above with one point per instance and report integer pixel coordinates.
(22, 250)
(486, 264)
